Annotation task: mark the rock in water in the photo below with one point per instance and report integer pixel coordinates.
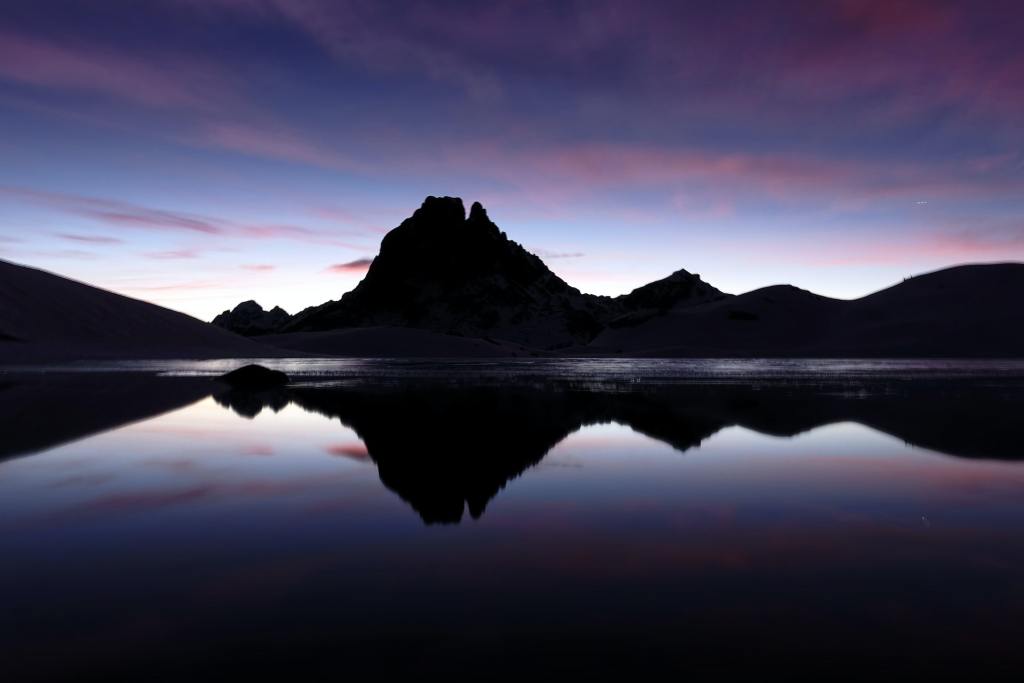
(254, 377)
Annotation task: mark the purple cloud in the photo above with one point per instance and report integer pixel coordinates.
(175, 81)
(357, 266)
(91, 239)
(173, 254)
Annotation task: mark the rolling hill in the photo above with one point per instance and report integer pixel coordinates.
(964, 311)
(45, 317)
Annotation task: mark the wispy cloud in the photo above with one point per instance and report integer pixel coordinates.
(170, 287)
(546, 254)
(113, 212)
(173, 254)
(258, 267)
(380, 39)
(120, 214)
(273, 142)
(91, 239)
(175, 81)
(74, 254)
(357, 266)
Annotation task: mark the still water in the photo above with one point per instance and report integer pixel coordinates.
(512, 519)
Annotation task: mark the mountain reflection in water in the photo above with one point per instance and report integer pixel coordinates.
(156, 527)
(447, 447)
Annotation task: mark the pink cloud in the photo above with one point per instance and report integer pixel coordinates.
(177, 81)
(258, 267)
(78, 254)
(173, 254)
(178, 286)
(358, 266)
(91, 239)
(942, 241)
(546, 254)
(274, 143)
(353, 451)
(123, 214)
(370, 36)
(113, 212)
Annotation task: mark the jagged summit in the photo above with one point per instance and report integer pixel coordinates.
(477, 212)
(250, 319)
(445, 271)
(439, 242)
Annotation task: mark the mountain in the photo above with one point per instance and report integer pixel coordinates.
(45, 317)
(453, 276)
(448, 284)
(965, 311)
(446, 272)
(248, 318)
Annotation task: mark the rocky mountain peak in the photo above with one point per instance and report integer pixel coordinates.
(478, 214)
(441, 210)
(250, 319)
(446, 271)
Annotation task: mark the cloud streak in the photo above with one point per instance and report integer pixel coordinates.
(90, 239)
(173, 254)
(175, 81)
(114, 213)
(358, 266)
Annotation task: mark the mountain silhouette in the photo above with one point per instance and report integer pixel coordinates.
(45, 317)
(448, 284)
(444, 271)
(248, 318)
(456, 277)
(966, 311)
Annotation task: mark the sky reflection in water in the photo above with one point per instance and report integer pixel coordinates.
(199, 536)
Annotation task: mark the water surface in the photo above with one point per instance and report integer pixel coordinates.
(503, 519)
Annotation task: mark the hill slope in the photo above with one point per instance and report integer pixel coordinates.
(965, 311)
(45, 317)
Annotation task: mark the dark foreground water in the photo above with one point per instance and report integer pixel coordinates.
(513, 520)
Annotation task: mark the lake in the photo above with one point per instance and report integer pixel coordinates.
(501, 519)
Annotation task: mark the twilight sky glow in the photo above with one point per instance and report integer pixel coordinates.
(195, 153)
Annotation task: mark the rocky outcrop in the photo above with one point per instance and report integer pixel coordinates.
(254, 377)
(248, 318)
(444, 271)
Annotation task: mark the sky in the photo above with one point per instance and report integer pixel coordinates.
(197, 153)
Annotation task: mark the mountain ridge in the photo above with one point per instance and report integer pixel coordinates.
(454, 274)
(448, 284)
(449, 272)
